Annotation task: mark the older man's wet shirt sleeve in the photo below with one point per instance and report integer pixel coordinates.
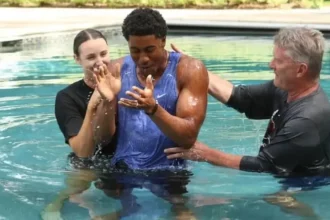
(256, 101)
(290, 148)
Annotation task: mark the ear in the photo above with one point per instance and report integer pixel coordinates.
(302, 70)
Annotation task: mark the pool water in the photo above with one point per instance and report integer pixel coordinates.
(33, 153)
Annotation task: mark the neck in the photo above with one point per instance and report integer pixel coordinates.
(90, 82)
(302, 91)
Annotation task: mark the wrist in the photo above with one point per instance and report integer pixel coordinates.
(91, 110)
(203, 151)
(108, 103)
(153, 109)
(108, 100)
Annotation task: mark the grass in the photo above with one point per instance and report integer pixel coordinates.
(214, 4)
(326, 3)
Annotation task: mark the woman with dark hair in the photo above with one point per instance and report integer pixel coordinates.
(79, 107)
(85, 113)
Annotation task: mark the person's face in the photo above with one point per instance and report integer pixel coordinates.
(92, 54)
(287, 71)
(147, 52)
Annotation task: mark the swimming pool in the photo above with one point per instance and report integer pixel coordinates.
(33, 154)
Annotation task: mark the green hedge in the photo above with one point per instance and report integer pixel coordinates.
(166, 3)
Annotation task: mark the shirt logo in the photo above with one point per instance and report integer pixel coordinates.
(270, 129)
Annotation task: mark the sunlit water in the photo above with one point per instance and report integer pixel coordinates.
(33, 153)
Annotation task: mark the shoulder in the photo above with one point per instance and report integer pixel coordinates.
(310, 115)
(315, 108)
(69, 91)
(321, 100)
(190, 63)
(69, 88)
(190, 69)
(63, 97)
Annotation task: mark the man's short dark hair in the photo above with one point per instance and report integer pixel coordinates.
(143, 22)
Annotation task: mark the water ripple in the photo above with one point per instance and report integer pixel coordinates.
(33, 153)
(8, 122)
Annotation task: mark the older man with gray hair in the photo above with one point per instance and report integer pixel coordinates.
(297, 140)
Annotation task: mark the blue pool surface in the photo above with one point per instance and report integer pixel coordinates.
(33, 153)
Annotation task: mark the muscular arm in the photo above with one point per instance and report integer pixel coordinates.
(219, 88)
(183, 128)
(242, 98)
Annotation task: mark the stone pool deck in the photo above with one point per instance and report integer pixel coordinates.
(23, 23)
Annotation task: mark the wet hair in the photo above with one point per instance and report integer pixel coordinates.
(303, 44)
(85, 35)
(144, 21)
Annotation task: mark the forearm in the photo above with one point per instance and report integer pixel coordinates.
(182, 131)
(219, 88)
(83, 144)
(219, 158)
(104, 122)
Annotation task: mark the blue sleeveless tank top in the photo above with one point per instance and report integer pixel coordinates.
(140, 143)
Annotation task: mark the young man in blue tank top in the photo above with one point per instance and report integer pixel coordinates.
(162, 103)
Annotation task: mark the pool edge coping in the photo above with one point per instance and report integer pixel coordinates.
(204, 25)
